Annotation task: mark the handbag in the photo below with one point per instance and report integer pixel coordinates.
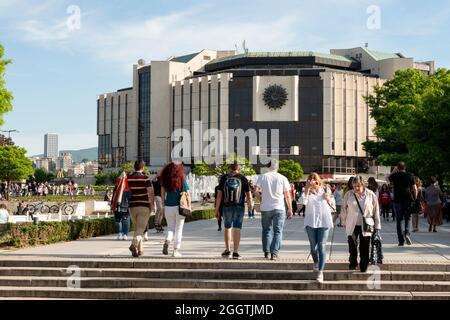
(185, 204)
(368, 223)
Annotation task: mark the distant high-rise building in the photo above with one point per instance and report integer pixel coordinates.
(51, 146)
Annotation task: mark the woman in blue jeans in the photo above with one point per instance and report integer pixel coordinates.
(318, 221)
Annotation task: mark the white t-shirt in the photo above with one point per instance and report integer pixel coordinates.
(273, 185)
(4, 216)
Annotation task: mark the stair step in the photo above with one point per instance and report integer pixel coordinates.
(215, 294)
(224, 274)
(104, 282)
(168, 263)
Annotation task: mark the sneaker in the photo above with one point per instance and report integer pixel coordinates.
(119, 236)
(401, 244)
(236, 256)
(320, 277)
(220, 229)
(273, 257)
(145, 236)
(165, 250)
(124, 237)
(352, 266)
(176, 254)
(134, 251)
(316, 267)
(408, 240)
(226, 254)
(266, 255)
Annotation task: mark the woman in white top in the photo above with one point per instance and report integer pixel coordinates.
(4, 214)
(318, 221)
(353, 215)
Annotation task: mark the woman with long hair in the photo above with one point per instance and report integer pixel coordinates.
(434, 208)
(318, 221)
(417, 207)
(173, 182)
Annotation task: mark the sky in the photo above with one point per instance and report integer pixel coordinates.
(65, 53)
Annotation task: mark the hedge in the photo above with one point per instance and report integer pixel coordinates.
(29, 235)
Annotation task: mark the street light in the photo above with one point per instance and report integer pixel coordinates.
(9, 132)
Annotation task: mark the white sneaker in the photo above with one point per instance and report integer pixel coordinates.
(146, 236)
(124, 237)
(176, 254)
(119, 236)
(320, 277)
(316, 267)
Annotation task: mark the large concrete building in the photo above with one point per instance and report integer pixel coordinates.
(322, 116)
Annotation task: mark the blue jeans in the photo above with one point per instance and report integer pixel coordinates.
(318, 242)
(402, 211)
(271, 240)
(122, 223)
(233, 217)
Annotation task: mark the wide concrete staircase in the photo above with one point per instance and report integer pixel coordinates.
(146, 278)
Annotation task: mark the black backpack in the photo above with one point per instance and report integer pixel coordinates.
(232, 191)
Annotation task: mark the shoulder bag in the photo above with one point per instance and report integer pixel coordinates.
(368, 223)
(185, 204)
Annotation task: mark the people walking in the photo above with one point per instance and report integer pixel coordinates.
(385, 201)
(173, 182)
(234, 189)
(122, 213)
(417, 209)
(141, 205)
(405, 192)
(159, 209)
(361, 218)
(252, 186)
(274, 191)
(434, 209)
(318, 221)
(220, 206)
(4, 214)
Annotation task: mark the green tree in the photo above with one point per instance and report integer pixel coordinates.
(246, 167)
(85, 160)
(412, 112)
(14, 165)
(40, 175)
(128, 167)
(100, 179)
(201, 168)
(292, 170)
(6, 96)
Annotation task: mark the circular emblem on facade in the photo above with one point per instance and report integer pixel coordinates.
(275, 96)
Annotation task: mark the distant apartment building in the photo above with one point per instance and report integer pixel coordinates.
(91, 168)
(51, 146)
(43, 163)
(323, 118)
(64, 161)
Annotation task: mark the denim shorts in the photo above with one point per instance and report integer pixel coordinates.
(233, 217)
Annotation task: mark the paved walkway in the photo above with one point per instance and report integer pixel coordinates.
(202, 240)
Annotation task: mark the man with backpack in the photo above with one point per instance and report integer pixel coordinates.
(233, 189)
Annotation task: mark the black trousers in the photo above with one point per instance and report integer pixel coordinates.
(364, 246)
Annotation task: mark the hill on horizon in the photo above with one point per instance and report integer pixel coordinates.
(78, 155)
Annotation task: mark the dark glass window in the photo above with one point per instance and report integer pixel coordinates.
(144, 114)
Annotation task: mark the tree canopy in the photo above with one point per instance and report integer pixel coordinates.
(6, 96)
(412, 112)
(292, 170)
(14, 164)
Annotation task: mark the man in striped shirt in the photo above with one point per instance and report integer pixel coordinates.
(141, 205)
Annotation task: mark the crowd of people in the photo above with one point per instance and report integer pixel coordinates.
(359, 207)
(44, 189)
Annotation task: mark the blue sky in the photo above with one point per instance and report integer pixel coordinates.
(57, 72)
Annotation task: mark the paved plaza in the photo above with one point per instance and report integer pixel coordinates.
(202, 240)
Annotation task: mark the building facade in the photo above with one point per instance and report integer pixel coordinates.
(315, 100)
(51, 146)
